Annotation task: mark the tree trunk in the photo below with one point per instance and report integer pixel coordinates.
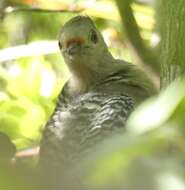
(171, 19)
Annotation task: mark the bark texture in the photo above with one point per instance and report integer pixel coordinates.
(171, 19)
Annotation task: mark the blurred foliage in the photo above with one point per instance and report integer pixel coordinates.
(149, 156)
(29, 85)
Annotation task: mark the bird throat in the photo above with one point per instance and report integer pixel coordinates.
(87, 73)
(82, 80)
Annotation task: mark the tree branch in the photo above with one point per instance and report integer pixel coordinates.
(11, 9)
(32, 49)
(146, 55)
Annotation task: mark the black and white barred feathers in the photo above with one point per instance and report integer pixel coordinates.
(80, 122)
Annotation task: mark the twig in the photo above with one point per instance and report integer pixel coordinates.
(11, 9)
(30, 152)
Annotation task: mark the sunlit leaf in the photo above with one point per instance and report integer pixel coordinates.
(157, 111)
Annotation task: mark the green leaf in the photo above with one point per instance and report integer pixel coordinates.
(159, 111)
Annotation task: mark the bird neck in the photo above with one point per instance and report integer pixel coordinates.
(86, 76)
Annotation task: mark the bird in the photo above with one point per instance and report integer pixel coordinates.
(94, 103)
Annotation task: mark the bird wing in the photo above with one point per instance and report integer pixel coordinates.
(109, 117)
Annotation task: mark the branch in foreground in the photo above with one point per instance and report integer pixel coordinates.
(32, 49)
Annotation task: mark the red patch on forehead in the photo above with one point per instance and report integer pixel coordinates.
(77, 40)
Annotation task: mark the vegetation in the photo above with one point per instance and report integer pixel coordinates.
(32, 72)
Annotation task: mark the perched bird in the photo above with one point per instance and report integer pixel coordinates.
(95, 102)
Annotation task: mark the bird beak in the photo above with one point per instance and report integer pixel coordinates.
(73, 45)
(73, 48)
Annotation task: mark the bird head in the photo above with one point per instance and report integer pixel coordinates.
(81, 44)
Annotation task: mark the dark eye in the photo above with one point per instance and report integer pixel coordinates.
(60, 44)
(93, 36)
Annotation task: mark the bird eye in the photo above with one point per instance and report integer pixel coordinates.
(60, 44)
(93, 36)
